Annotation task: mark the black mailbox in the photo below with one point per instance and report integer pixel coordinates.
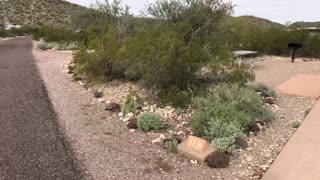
(294, 47)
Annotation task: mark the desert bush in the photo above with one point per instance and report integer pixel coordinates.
(263, 89)
(296, 124)
(164, 51)
(228, 111)
(97, 93)
(132, 103)
(148, 122)
(43, 46)
(55, 34)
(52, 45)
(172, 146)
(4, 33)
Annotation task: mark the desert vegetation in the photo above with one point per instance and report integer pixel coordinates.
(179, 52)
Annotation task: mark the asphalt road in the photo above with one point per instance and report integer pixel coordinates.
(32, 144)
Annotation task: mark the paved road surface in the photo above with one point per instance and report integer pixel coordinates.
(32, 145)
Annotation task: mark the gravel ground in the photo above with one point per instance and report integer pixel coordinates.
(108, 150)
(276, 70)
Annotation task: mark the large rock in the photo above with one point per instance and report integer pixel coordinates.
(218, 160)
(196, 148)
(113, 107)
(270, 100)
(132, 123)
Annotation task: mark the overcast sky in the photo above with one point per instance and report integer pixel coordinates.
(276, 10)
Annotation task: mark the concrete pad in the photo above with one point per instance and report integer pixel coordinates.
(301, 85)
(300, 158)
(195, 149)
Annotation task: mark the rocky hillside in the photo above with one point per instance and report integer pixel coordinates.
(302, 24)
(253, 22)
(37, 11)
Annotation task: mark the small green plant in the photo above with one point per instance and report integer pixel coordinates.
(263, 89)
(72, 46)
(296, 124)
(307, 112)
(132, 103)
(148, 122)
(226, 113)
(97, 94)
(53, 45)
(43, 46)
(172, 146)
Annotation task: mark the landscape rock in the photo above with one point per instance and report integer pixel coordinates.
(218, 160)
(162, 136)
(100, 100)
(97, 94)
(120, 114)
(157, 141)
(132, 123)
(257, 173)
(270, 100)
(125, 120)
(113, 107)
(130, 114)
(241, 143)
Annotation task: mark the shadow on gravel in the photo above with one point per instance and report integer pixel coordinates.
(32, 143)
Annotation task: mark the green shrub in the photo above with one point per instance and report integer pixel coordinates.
(43, 46)
(172, 146)
(263, 89)
(228, 111)
(148, 122)
(72, 46)
(52, 45)
(178, 98)
(296, 124)
(132, 103)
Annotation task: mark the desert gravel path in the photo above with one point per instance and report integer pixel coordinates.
(32, 144)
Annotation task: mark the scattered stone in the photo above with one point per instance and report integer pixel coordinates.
(218, 160)
(132, 123)
(264, 167)
(254, 129)
(157, 141)
(77, 78)
(100, 100)
(98, 94)
(195, 162)
(125, 120)
(162, 136)
(257, 173)
(113, 107)
(130, 114)
(181, 133)
(270, 100)
(241, 143)
(71, 67)
(274, 106)
(120, 114)
(132, 130)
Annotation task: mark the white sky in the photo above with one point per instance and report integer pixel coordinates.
(276, 10)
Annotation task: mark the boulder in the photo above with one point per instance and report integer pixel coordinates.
(270, 100)
(218, 160)
(113, 107)
(132, 123)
